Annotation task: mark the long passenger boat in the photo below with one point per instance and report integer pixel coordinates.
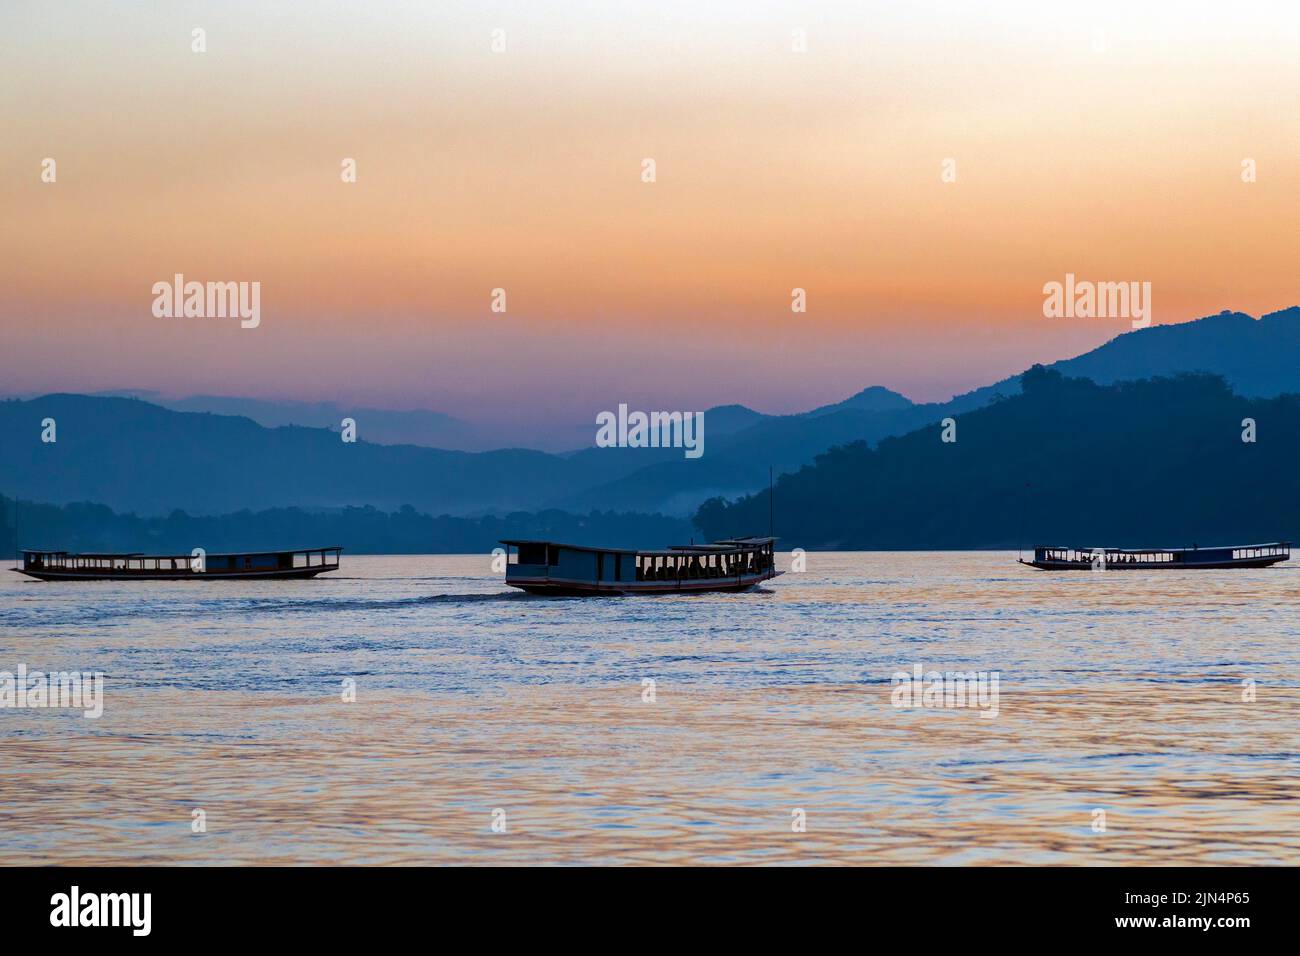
(85, 566)
(545, 567)
(1159, 559)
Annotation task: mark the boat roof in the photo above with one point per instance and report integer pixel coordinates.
(1212, 547)
(726, 545)
(211, 554)
(568, 547)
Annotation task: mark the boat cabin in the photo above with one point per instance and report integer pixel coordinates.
(87, 565)
(1237, 556)
(549, 567)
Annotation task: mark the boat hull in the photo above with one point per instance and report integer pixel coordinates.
(1262, 562)
(278, 574)
(558, 587)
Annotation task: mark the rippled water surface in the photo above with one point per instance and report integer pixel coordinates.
(1119, 692)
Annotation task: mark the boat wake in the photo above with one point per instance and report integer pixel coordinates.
(390, 604)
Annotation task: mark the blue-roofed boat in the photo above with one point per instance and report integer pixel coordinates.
(87, 566)
(1159, 559)
(547, 567)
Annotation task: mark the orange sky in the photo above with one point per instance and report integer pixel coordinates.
(1094, 139)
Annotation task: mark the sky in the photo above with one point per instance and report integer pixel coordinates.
(1100, 139)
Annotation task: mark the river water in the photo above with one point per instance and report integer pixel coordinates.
(1141, 718)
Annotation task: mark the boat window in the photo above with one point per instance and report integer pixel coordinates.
(532, 554)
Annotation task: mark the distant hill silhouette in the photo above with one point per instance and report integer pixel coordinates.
(89, 527)
(381, 426)
(874, 399)
(738, 463)
(134, 456)
(1149, 463)
(1257, 357)
(427, 429)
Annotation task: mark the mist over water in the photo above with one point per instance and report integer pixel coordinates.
(1120, 692)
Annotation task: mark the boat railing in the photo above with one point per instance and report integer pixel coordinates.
(1279, 549)
(1156, 556)
(691, 565)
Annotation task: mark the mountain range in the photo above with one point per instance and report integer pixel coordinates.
(1161, 462)
(136, 455)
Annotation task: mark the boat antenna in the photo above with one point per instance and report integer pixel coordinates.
(1020, 537)
(771, 502)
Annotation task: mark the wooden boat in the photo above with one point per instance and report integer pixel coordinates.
(545, 567)
(1159, 559)
(72, 566)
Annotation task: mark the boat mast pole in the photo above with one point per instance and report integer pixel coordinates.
(771, 506)
(1020, 537)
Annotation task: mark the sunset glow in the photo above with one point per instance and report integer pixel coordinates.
(1090, 139)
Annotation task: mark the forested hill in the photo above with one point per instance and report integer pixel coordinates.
(1158, 462)
(93, 527)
